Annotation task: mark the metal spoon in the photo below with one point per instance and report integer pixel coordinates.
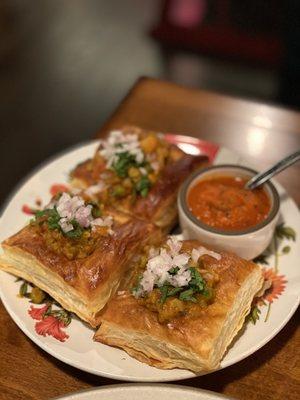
(262, 177)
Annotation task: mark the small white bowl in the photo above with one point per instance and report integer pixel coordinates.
(248, 243)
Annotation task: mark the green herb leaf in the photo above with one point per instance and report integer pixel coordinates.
(41, 213)
(53, 219)
(287, 232)
(173, 291)
(164, 293)
(261, 259)
(51, 215)
(76, 232)
(96, 212)
(123, 163)
(286, 249)
(197, 282)
(168, 291)
(143, 186)
(187, 295)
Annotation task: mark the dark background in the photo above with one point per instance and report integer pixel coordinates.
(66, 64)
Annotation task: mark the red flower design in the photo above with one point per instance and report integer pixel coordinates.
(277, 287)
(58, 188)
(28, 210)
(51, 326)
(38, 313)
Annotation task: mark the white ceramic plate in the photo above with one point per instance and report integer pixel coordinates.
(79, 350)
(145, 392)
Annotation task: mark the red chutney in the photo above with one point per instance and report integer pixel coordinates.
(222, 202)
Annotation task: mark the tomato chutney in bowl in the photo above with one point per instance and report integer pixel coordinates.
(215, 207)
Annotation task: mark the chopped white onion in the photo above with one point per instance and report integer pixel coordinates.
(117, 143)
(161, 262)
(201, 251)
(73, 208)
(94, 189)
(174, 245)
(65, 225)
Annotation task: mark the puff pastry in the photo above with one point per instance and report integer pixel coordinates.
(82, 283)
(167, 165)
(194, 341)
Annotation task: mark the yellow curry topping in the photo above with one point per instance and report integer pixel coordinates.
(71, 248)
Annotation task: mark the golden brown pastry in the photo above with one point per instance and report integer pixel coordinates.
(139, 172)
(77, 252)
(182, 307)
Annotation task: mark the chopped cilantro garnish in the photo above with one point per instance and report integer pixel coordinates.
(42, 213)
(123, 163)
(164, 293)
(187, 295)
(51, 215)
(53, 218)
(96, 211)
(188, 292)
(121, 166)
(173, 291)
(143, 186)
(197, 282)
(76, 232)
(167, 291)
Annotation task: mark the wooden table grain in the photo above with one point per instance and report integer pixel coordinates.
(258, 131)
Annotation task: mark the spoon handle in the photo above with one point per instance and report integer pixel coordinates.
(261, 178)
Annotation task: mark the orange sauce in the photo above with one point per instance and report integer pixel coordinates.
(222, 202)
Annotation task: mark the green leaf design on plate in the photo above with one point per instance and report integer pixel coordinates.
(261, 259)
(23, 289)
(286, 249)
(254, 315)
(285, 232)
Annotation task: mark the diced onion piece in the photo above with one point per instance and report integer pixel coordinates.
(94, 189)
(74, 209)
(201, 251)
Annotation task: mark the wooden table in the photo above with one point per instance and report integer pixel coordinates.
(255, 130)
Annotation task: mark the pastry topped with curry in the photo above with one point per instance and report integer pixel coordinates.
(139, 172)
(186, 306)
(77, 252)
